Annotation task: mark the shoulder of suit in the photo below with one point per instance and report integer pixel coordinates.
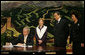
(20, 36)
(30, 35)
(36, 27)
(45, 26)
(64, 19)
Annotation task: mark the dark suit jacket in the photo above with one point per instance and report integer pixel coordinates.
(76, 36)
(20, 39)
(75, 32)
(61, 31)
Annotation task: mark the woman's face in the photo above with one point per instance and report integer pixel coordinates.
(73, 17)
(41, 22)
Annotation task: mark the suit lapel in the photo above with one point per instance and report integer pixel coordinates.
(41, 33)
(27, 38)
(23, 38)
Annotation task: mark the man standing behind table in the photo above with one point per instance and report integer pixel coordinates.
(61, 31)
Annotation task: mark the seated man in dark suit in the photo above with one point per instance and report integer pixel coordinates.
(24, 38)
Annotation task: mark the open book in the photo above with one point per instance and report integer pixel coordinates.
(17, 46)
(20, 45)
(8, 46)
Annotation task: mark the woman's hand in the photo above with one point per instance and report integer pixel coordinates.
(70, 45)
(40, 41)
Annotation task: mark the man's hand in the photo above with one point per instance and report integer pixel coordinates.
(82, 44)
(40, 41)
(8, 44)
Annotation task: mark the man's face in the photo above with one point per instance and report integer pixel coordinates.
(25, 32)
(56, 16)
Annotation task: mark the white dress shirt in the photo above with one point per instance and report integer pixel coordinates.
(25, 38)
(59, 20)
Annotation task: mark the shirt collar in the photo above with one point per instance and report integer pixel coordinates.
(26, 36)
(41, 27)
(59, 19)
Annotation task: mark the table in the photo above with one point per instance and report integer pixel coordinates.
(32, 50)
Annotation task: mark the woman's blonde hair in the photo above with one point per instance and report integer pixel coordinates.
(41, 19)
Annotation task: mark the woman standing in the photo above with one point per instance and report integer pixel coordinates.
(41, 33)
(75, 34)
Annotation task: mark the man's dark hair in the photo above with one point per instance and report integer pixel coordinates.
(57, 12)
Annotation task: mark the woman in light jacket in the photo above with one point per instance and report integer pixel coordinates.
(41, 33)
